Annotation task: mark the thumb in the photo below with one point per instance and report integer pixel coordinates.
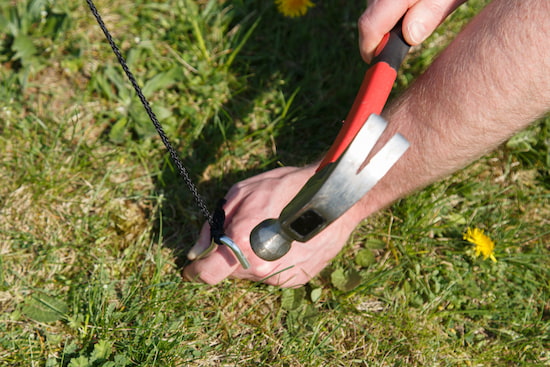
(209, 266)
(424, 17)
(217, 266)
(202, 246)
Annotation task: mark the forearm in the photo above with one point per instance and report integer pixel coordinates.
(493, 80)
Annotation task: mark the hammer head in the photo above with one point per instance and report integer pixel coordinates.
(269, 241)
(330, 192)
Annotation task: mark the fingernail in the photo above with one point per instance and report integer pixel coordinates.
(417, 32)
(192, 255)
(197, 252)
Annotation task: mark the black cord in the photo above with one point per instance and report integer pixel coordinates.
(215, 225)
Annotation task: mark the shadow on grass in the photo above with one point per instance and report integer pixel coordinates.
(317, 55)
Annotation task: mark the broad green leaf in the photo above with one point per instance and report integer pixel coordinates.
(345, 280)
(121, 360)
(142, 123)
(365, 258)
(24, 48)
(102, 351)
(457, 219)
(292, 298)
(375, 244)
(100, 84)
(338, 278)
(117, 133)
(44, 308)
(70, 348)
(161, 81)
(123, 88)
(316, 294)
(81, 361)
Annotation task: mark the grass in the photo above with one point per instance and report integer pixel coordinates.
(94, 221)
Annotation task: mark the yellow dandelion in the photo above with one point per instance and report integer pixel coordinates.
(484, 245)
(293, 8)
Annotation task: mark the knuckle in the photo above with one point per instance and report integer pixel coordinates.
(436, 8)
(439, 9)
(365, 23)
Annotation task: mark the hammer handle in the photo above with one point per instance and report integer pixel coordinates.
(374, 91)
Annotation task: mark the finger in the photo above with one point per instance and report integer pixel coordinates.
(379, 18)
(424, 17)
(219, 265)
(202, 244)
(236, 189)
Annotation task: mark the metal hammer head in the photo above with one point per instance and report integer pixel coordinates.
(269, 241)
(330, 192)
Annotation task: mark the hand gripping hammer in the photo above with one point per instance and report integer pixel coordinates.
(340, 182)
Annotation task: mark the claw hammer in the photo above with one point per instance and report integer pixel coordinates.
(340, 181)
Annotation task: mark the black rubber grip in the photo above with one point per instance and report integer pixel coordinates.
(396, 48)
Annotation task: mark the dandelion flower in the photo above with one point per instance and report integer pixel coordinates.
(483, 244)
(293, 8)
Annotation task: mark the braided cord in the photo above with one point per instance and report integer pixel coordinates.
(173, 154)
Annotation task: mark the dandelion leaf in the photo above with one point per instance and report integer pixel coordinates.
(292, 298)
(44, 308)
(345, 280)
(365, 258)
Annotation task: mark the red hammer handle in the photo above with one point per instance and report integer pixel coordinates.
(374, 92)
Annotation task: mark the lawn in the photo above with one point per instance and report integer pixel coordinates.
(95, 221)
